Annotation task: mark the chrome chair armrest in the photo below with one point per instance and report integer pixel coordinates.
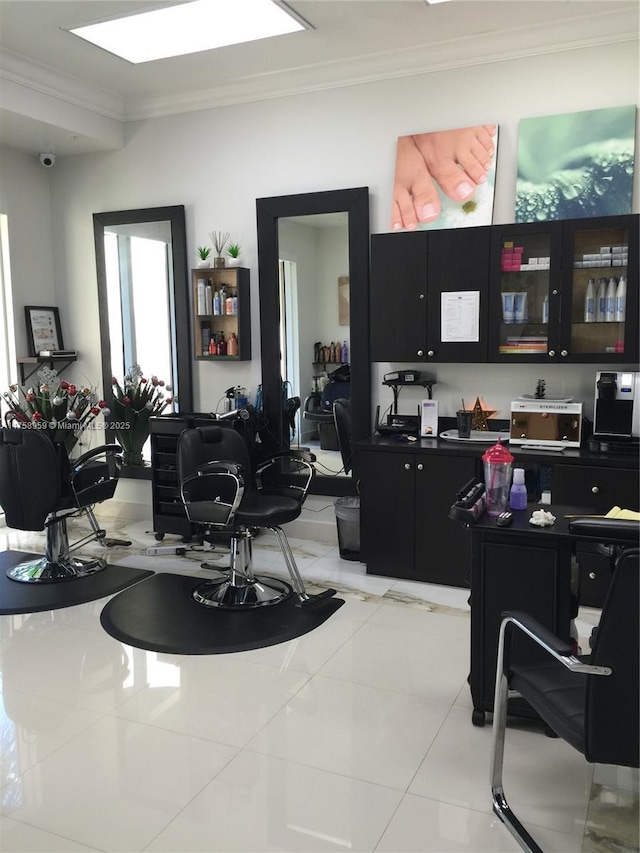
(285, 474)
(213, 494)
(93, 476)
(220, 466)
(112, 450)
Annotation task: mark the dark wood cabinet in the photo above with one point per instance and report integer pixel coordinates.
(458, 295)
(407, 491)
(387, 512)
(513, 573)
(599, 489)
(405, 527)
(525, 292)
(599, 249)
(540, 280)
(531, 279)
(398, 296)
(411, 317)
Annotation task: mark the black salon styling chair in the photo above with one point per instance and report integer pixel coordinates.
(318, 406)
(40, 488)
(220, 492)
(591, 702)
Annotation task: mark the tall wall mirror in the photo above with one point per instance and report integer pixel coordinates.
(143, 296)
(313, 259)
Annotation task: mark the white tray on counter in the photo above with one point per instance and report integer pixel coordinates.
(477, 436)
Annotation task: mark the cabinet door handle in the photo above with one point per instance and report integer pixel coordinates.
(430, 353)
(420, 466)
(407, 466)
(564, 353)
(554, 292)
(551, 353)
(592, 576)
(595, 490)
(422, 296)
(420, 352)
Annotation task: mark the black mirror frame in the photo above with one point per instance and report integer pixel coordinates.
(355, 202)
(175, 215)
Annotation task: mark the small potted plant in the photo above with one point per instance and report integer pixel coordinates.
(219, 240)
(233, 250)
(203, 253)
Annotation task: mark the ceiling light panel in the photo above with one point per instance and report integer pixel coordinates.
(190, 28)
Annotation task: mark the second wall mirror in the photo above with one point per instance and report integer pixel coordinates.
(143, 297)
(313, 257)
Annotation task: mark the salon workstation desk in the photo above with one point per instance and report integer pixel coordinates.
(529, 568)
(407, 489)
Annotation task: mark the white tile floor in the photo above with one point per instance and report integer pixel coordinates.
(355, 737)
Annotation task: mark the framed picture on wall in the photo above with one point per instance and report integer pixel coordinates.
(445, 178)
(43, 329)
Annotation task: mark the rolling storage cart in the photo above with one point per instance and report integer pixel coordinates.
(169, 515)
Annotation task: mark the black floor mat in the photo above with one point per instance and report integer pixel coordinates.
(21, 597)
(160, 615)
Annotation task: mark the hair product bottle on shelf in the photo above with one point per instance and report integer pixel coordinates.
(621, 298)
(590, 302)
(612, 287)
(601, 301)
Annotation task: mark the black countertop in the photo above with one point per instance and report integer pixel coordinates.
(441, 447)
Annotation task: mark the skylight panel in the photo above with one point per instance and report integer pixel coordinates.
(190, 28)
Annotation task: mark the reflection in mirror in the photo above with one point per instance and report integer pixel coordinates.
(291, 317)
(143, 297)
(138, 262)
(314, 333)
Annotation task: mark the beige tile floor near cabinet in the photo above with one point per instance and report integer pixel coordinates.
(356, 737)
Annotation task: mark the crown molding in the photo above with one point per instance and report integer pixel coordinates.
(316, 79)
(44, 80)
(602, 28)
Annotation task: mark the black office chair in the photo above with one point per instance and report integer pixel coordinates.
(591, 702)
(220, 492)
(342, 421)
(40, 488)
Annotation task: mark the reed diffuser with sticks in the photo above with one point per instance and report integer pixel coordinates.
(219, 239)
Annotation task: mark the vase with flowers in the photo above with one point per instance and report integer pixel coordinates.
(135, 400)
(219, 240)
(61, 410)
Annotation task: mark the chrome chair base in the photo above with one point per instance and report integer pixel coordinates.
(258, 591)
(57, 564)
(44, 570)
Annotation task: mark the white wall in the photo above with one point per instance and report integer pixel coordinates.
(218, 162)
(25, 196)
(333, 262)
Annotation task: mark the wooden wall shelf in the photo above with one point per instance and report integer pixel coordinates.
(34, 361)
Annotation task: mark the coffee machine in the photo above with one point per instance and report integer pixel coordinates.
(616, 420)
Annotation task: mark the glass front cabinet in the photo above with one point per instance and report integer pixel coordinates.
(565, 291)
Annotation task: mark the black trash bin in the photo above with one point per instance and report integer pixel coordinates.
(348, 521)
